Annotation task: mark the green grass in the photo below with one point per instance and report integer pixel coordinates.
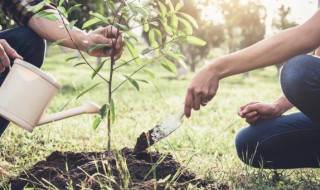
(205, 142)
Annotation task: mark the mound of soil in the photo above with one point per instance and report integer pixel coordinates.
(97, 170)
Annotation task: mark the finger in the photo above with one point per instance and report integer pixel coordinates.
(9, 50)
(239, 112)
(250, 103)
(250, 114)
(253, 119)
(111, 31)
(196, 101)
(2, 68)
(188, 103)
(4, 57)
(250, 108)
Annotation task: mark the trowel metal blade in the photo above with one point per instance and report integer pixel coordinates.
(169, 125)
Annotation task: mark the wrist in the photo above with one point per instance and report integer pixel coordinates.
(80, 39)
(218, 68)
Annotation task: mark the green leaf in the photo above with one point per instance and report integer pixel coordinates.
(81, 63)
(151, 36)
(71, 24)
(62, 11)
(187, 25)
(151, 74)
(97, 69)
(132, 35)
(104, 110)
(133, 51)
(133, 82)
(174, 22)
(47, 15)
(75, 7)
(96, 123)
(61, 2)
(171, 7)
(71, 58)
(57, 42)
(100, 16)
(167, 64)
(91, 22)
(163, 9)
(142, 80)
(179, 5)
(145, 27)
(37, 7)
(112, 111)
(88, 89)
(171, 54)
(195, 41)
(190, 19)
(167, 28)
(96, 46)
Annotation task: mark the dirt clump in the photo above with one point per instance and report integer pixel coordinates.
(97, 170)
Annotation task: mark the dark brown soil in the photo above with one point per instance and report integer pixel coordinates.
(97, 170)
(143, 142)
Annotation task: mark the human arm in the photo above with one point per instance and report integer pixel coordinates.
(273, 50)
(257, 111)
(51, 31)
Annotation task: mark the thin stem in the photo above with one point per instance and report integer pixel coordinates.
(110, 79)
(125, 63)
(77, 47)
(133, 74)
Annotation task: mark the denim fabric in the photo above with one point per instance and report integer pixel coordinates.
(29, 45)
(289, 141)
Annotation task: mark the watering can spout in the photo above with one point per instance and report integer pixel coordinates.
(87, 107)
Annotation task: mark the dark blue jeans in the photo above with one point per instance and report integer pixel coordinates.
(29, 45)
(289, 141)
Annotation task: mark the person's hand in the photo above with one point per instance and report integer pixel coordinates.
(202, 89)
(6, 51)
(257, 111)
(108, 35)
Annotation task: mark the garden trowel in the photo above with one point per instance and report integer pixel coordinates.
(160, 131)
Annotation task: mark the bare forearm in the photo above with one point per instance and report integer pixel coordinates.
(54, 30)
(276, 49)
(282, 105)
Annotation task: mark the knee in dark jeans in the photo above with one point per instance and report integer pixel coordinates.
(247, 148)
(297, 79)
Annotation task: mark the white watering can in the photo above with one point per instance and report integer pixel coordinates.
(26, 93)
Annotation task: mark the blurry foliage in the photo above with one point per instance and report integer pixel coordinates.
(244, 22)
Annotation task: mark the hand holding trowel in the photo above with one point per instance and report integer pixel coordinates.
(159, 132)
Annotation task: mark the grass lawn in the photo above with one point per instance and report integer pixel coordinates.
(204, 143)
